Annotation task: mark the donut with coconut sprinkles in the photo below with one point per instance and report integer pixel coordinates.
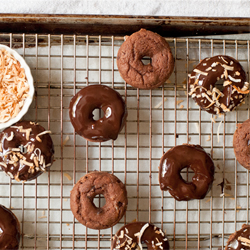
(134, 235)
(218, 84)
(26, 150)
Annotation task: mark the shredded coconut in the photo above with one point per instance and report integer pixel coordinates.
(14, 86)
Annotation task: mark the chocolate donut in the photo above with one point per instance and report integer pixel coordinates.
(186, 156)
(218, 84)
(26, 150)
(97, 97)
(241, 143)
(129, 60)
(9, 230)
(84, 192)
(239, 240)
(133, 235)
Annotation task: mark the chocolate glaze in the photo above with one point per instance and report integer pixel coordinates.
(152, 236)
(9, 229)
(17, 169)
(236, 240)
(186, 156)
(201, 84)
(97, 97)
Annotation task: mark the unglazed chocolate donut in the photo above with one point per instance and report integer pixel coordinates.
(98, 97)
(241, 143)
(186, 156)
(84, 192)
(240, 239)
(133, 235)
(129, 60)
(209, 73)
(26, 150)
(9, 230)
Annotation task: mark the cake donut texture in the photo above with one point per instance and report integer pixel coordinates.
(241, 143)
(26, 150)
(218, 84)
(133, 235)
(98, 97)
(186, 156)
(9, 230)
(84, 192)
(129, 60)
(240, 239)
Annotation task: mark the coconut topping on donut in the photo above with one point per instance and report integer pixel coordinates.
(212, 95)
(133, 235)
(26, 150)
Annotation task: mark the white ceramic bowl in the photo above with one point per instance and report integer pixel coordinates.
(29, 99)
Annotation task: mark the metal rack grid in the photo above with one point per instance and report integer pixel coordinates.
(157, 120)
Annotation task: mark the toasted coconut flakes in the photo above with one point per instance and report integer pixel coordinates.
(225, 73)
(66, 140)
(10, 175)
(197, 127)
(181, 107)
(36, 161)
(141, 233)
(67, 176)
(205, 95)
(218, 132)
(200, 72)
(244, 240)
(213, 120)
(240, 90)
(231, 63)
(10, 138)
(208, 69)
(27, 131)
(212, 103)
(178, 102)
(214, 64)
(160, 104)
(233, 79)
(226, 83)
(48, 165)
(14, 86)
(237, 73)
(3, 164)
(224, 60)
(209, 138)
(230, 68)
(23, 162)
(42, 133)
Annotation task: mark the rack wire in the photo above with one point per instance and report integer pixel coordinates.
(157, 120)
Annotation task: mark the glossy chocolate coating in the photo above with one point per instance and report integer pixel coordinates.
(9, 229)
(152, 236)
(19, 169)
(236, 240)
(97, 97)
(218, 68)
(186, 156)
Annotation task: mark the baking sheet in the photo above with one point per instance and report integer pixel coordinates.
(157, 120)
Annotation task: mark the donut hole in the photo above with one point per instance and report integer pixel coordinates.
(99, 200)
(219, 85)
(187, 174)
(146, 60)
(97, 114)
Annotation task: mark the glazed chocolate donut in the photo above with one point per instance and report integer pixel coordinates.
(133, 235)
(26, 151)
(240, 239)
(241, 143)
(84, 192)
(206, 80)
(9, 230)
(186, 156)
(129, 60)
(97, 97)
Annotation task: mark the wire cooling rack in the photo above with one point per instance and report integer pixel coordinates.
(157, 120)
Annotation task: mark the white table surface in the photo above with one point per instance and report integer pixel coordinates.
(207, 8)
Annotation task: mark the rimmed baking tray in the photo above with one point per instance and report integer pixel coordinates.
(65, 54)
